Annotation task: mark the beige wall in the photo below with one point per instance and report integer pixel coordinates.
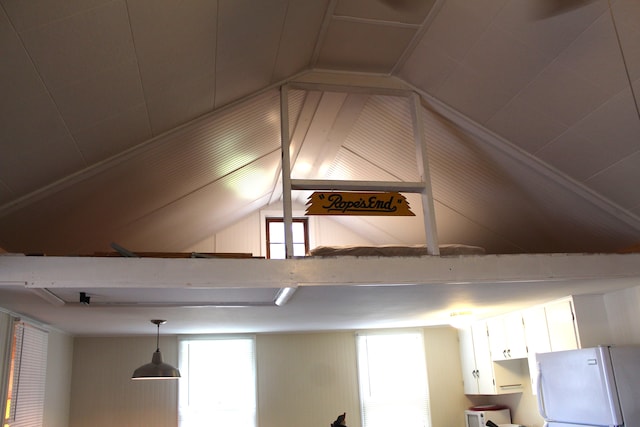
(304, 379)
(102, 392)
(58, 382)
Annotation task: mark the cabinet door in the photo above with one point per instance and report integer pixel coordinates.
(537, 337)
(468, 361)
(506, 337)
(497, 338)
(514, 331)
(484, 364)
(561, 326)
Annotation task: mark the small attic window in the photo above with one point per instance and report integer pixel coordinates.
(275, 237)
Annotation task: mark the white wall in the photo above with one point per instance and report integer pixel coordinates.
(247, 235)
(623, 312)
(304, 379)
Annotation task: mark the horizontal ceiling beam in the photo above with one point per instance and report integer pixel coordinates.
(111, 272)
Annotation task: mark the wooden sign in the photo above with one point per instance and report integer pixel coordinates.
(356, 203)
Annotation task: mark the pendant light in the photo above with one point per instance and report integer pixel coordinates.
(157, 369)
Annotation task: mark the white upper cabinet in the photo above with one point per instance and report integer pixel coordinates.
(507, 337)
(579, 321)
(480, 374)
(561, 325)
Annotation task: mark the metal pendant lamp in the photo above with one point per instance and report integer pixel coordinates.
(157, 369)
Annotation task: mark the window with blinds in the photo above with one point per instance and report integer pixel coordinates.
(27, 375)
(218, 383)
(393, 379)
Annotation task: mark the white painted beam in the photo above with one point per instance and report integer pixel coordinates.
(188, 273)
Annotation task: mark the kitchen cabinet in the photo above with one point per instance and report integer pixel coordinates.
(507, 337)
(569, 323)
(578, 321)
(481, 375)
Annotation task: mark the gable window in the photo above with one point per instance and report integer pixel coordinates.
(218, 383)
(275, 237)
(392, 374)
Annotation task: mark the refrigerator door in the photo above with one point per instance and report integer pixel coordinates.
(577, 387)
(626, 369)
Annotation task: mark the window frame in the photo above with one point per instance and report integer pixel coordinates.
(183, 386)
(274, 219)
(365, 380)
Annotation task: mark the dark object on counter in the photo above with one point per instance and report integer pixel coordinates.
(491, 424)
(340, 421)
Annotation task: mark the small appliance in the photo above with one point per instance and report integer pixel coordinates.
(477, 416)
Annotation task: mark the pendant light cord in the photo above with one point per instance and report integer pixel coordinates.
(158, 338)
(624, 60)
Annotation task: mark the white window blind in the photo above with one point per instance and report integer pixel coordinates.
(393, 379)
(218, 384)
(26, 385)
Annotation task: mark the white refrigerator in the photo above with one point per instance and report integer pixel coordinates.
(590, 387)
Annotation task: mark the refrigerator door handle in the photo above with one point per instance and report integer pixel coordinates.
(540, 397)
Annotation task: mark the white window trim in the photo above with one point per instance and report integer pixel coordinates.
(278, 213)
(183, 366)
(420, 333)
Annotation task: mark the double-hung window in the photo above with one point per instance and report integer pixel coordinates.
(393, 379)
(218, 382)
(275, 237)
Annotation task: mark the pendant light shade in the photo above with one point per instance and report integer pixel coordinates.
(157, 369)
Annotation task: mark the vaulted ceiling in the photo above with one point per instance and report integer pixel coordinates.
(156, 123)
(125, 121)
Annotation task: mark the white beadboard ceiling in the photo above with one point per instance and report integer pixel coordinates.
(155, 123)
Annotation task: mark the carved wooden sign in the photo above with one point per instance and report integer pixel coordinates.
(358, 203)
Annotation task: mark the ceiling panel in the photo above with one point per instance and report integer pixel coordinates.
(21, 79)
(428, 66)
(81, 45)
(104, 94)
(595, 55)
(363, 46)
(620, 181)
(410, 12)
(550, 34)
(28, 14)
(246, 60)
(579, 96)
(471, 20)
(180, 102)
(302, 25)
(528, 127)
(114, 134)
(175, 42)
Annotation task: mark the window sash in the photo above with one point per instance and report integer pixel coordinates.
(218, 383)
(393, 379)
(275, 237)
